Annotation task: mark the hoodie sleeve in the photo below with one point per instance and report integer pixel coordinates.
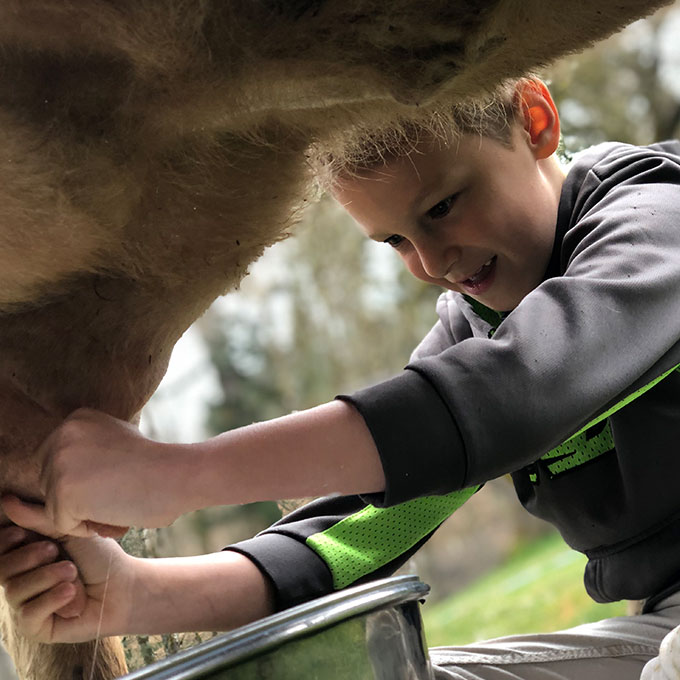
(335, 542)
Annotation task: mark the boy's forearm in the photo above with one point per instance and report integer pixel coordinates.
(324, 450)
(214, 592)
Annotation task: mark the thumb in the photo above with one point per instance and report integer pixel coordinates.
(34, 516)
(76, 606)
(107, 530)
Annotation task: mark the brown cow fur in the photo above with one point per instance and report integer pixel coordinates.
(151, 149)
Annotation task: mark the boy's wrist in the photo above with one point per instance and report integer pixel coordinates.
(219, 591)
(146, 596)
(208, 474)
(174, 475)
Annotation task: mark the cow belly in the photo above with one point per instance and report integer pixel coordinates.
(52, 362)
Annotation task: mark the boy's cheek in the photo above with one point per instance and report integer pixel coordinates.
(415, 268)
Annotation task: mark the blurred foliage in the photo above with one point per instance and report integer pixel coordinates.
(623, 89)
(539, 589)
(331, 312)
(143, 650)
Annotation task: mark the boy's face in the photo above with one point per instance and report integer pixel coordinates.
(475, 217)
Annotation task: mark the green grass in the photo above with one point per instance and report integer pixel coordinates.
(540, 589)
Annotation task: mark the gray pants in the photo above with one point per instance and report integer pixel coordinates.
(611, 649)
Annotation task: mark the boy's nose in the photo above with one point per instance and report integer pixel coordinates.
(438, 261)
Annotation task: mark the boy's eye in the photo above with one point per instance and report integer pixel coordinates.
(442, 208)
(395, 240)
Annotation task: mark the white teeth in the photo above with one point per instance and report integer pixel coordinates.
(488, 263)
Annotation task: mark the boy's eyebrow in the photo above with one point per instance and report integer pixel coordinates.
(428, 189)
(424, 193)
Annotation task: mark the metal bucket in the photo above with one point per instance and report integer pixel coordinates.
(369, 632)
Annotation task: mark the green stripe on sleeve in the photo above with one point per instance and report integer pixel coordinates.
(369, 539)
(624, 402)
(584, 445)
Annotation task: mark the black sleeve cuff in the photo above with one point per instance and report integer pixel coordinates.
(296, 572)
(419, 443)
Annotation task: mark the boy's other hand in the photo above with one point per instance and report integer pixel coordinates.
(54, 600)
(21, 549)
(100, 475)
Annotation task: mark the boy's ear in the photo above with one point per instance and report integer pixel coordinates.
(539, 117)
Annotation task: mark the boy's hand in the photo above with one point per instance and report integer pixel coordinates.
(121, 594)
(99, 475)
(29, 547)
(50, 602)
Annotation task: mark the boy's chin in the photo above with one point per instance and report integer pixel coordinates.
(502, 305)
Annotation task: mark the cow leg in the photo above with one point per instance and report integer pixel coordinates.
(35, 661)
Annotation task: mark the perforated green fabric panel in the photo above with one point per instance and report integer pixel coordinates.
(579, 450)
(369, 539)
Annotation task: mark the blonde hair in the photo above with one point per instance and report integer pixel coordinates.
(363, 148)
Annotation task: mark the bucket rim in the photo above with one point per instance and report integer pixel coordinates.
(272, 631)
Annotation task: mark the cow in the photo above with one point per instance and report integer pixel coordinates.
(150, 150)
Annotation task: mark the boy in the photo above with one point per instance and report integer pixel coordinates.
(554, 359)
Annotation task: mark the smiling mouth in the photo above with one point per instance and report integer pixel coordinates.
(479, 283)
(480, 275)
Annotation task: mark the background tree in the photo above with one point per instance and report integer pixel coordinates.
(625, 88)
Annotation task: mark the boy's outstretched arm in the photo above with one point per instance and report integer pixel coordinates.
(101, 471)
(124, 594)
